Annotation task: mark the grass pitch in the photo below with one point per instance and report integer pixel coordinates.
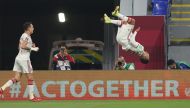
(98, 104)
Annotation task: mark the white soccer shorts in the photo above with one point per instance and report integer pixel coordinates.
(23, 66)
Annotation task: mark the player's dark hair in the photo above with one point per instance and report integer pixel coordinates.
(119, 63)
(62, 47)
(26, 25)
(144, 60)
(170, 62)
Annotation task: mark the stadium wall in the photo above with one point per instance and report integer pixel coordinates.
(1, 43)
(102, 85)
(179, 53)
(152, 37)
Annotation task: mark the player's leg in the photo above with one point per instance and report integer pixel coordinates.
(14, 80)
(30, 86)
(128, 22)
(124, 18)
(28, 70)
(116, 13)
(123, 35)
(109, 20)
(11, 82)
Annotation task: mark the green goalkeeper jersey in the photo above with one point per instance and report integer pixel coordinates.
(129, 66)
(126, 66)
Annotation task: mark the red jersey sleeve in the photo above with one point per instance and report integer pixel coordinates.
(55, 58)
(70, 58)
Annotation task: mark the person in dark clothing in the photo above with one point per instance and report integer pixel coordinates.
(172, 64)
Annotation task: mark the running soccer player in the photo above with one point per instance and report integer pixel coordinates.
(22, 63)
(125, 35)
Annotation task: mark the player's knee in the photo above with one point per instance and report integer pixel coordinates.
(30, 76)
(15, 79)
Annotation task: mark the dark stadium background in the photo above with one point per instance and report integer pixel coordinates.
(83, 20)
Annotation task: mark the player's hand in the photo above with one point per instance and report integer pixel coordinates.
(138, 29)
(65, 53)
(36, 49)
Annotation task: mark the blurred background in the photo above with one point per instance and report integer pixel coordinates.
(83, 19)
(90, 41)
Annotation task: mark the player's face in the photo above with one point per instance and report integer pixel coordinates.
(63, 51)
(31, 29)
(173, 66)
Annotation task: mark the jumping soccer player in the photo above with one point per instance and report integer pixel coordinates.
(22, 63)
(125, 36)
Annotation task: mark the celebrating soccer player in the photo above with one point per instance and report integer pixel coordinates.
(125, 36)
(22, 63)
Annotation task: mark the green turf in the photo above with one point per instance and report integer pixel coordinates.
(97, 104)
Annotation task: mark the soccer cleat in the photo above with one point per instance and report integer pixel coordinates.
(107, 19)
(36, 99)
(116, 11)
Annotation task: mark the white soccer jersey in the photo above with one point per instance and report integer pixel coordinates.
(23, 53)
(22, 62)
(123, 35)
